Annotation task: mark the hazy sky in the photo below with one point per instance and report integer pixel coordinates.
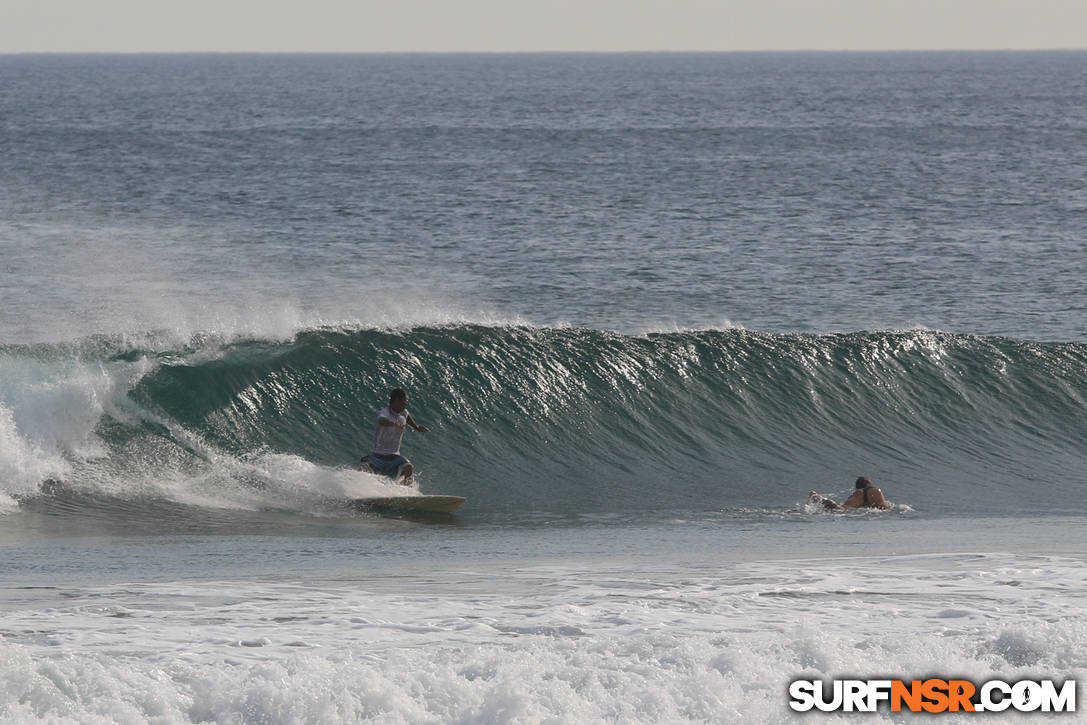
(533, 25)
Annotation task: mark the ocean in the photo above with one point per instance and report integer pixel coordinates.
(644, 302)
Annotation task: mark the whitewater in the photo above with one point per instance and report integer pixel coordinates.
(645, 304)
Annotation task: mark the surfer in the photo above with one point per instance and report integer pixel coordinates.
(865, 496)
(385, 457)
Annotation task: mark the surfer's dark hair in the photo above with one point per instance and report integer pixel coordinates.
(864, 482)
(397, 394)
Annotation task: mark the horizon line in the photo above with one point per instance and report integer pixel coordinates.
(545, 52)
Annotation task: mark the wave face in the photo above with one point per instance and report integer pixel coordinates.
(557, 420)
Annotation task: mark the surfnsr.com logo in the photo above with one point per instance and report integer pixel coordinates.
(933, 695)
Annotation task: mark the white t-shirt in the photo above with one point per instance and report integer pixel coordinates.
(387, 438)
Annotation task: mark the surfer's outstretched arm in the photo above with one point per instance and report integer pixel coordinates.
(415, 426)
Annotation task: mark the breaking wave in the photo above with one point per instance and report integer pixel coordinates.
(561, 419)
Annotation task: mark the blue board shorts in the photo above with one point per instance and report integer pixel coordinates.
(387, 465)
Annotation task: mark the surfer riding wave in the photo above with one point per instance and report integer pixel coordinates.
(385, 457)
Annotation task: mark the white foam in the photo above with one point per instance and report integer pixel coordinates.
(49, 410)
(285, 481)
(588, 641)
(23, 465)
(673, 327)
(256, 482)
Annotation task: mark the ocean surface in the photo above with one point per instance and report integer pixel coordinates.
(645, 303)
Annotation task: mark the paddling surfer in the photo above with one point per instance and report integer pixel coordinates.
(865, 496)
(385, 457)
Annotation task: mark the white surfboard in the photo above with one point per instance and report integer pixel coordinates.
(407, 504)
(820, 502)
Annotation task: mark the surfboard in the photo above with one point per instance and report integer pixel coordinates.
(407, 504)
(818, 500)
